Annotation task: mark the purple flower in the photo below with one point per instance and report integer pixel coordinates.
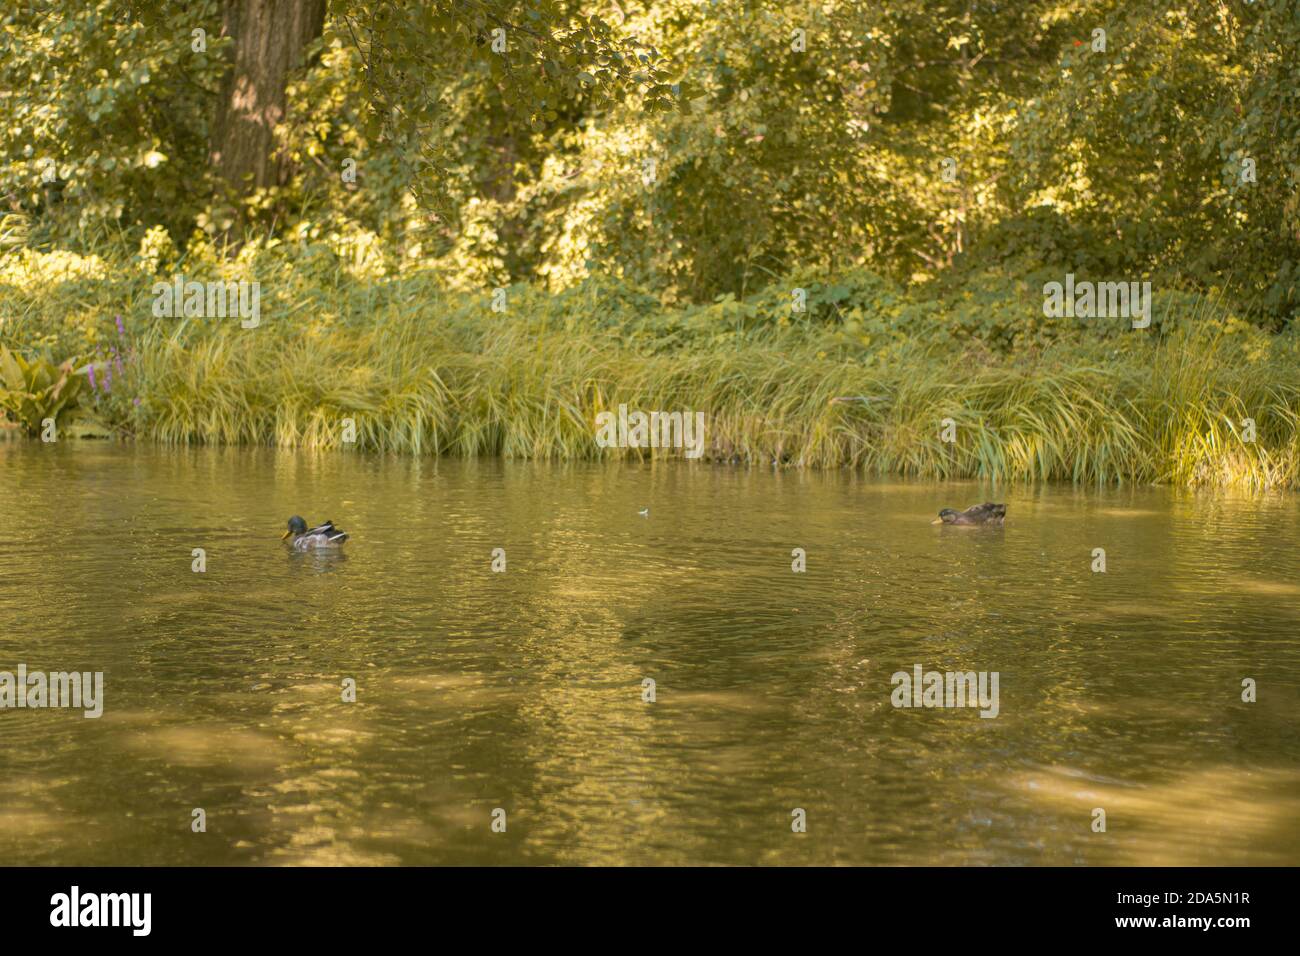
(136, 401)
(108, 377)
(92, 376)
(121, 329)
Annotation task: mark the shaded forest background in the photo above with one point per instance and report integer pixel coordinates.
(692, 148)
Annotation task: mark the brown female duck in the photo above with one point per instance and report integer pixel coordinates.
(985, 514)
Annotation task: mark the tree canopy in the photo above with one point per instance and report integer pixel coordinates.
(696, 147)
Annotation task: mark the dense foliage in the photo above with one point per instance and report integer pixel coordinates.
(695, 147)
(475, 223)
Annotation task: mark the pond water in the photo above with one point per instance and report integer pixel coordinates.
(523, 690)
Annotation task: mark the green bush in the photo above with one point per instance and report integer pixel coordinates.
(35, 390)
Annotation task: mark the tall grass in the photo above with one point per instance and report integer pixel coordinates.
(425, 372)
(514, 388)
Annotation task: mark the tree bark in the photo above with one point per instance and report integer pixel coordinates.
(270, 37)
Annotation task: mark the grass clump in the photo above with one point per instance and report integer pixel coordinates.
(1199, 399)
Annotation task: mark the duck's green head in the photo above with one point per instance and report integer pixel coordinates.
(296, 527)
(946, 516)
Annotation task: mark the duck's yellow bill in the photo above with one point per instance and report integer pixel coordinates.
(285, 535)
(937, 521)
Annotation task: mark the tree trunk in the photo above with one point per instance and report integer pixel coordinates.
(270, 37)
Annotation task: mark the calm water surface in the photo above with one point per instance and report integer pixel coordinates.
(522, 690)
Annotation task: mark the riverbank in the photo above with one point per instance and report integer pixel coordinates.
(967, 385)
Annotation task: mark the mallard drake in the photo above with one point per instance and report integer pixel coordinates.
(321, 536)
(987, 513)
